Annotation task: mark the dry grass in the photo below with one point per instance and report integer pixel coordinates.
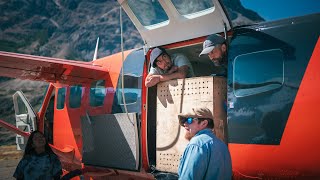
(10, 152)
(9, 159)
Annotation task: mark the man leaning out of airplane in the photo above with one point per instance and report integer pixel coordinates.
(216, 48)
(165, 67)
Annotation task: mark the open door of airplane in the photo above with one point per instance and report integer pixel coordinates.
(165, 22)
(121, 151)
(25, 118)
(112, 140)
(180, 27)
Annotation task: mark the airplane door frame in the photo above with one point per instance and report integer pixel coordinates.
(25, 117)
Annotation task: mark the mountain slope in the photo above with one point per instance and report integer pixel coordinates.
(65, 29)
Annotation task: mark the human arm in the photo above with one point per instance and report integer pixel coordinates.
(173, 69)
(193, 164)
(181, 72)
(180, 69)
(152, 80)
(176, 73)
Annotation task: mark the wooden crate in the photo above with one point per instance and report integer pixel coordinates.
(176, 96)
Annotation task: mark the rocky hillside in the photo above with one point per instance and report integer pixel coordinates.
(33, 91)
(65, 29)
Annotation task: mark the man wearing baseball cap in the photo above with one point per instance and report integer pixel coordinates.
(216, 48)
(165, 67)
(205, 157)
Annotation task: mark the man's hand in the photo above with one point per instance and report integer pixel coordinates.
(152, 80)
(173, 69)
(174, 73)
(180, 72)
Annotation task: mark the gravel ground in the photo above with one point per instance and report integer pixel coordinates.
(9, 159)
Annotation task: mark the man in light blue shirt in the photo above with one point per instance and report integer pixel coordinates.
(206, 157)
(165, 67)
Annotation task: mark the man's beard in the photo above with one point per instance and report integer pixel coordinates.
(218, 61)
(188, 135)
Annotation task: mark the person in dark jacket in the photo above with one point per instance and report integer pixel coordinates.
(38, 161)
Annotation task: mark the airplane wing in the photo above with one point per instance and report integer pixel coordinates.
(52, 70)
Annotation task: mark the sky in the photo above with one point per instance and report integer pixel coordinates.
(276, 9)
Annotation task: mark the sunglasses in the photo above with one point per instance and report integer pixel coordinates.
(187, 120)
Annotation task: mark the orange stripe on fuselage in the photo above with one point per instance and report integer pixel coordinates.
(298, 153)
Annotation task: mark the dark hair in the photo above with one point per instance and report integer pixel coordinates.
(162, 49)
(210, 122)
(163, 52)
(29, 150)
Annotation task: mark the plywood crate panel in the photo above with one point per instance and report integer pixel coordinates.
(176, 96)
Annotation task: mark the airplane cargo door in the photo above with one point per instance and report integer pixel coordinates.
(25, 118)
(111, 140)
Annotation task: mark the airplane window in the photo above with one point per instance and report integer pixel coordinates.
(97, 93)
(61, 98)
(133, 69)
(190, 7)
(132, 89)
(75, 96)
(148, 12)
(22, 108)
(266, 75)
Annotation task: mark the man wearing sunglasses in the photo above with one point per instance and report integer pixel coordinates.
(205, 157)
(165, 67)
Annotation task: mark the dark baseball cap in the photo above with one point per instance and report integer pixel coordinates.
(210, 43)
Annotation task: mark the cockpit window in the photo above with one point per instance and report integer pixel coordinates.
(148, 12)
(190, 7)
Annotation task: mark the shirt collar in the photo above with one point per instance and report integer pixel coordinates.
(203, 131)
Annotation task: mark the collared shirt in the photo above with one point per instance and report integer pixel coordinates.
(205, 157)
(177, 60)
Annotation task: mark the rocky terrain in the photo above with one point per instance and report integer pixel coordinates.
(65, 29)
(34, 92)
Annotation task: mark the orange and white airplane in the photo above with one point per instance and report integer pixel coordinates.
(100, 118)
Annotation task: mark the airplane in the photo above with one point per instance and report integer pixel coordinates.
(101, 120)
